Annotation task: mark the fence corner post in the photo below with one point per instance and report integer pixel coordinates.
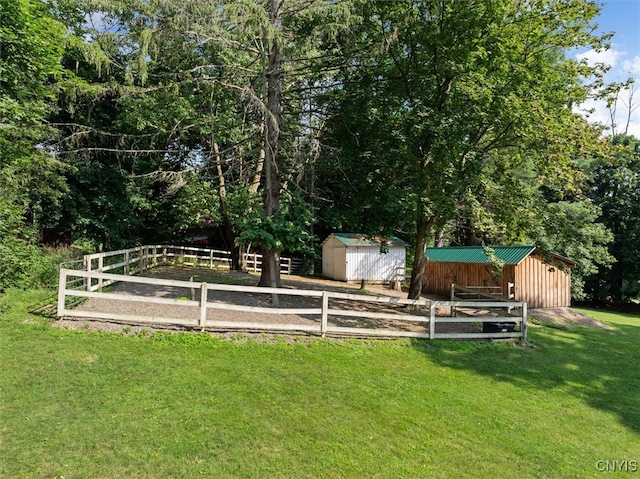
(62, 286)
(203, 305)
(325, 313)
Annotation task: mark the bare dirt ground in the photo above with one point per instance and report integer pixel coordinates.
(561, 316)
(251, 299)
(566, 317)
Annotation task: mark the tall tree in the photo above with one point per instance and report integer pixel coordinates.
(616, 190)
(236, 69)
(31, 46)
(456, 82)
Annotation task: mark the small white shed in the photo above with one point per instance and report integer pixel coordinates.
(357, 257)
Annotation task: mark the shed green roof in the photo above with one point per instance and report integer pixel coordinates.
(359, 240)
(476, 254)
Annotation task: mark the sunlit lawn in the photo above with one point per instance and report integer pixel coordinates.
(79, 404)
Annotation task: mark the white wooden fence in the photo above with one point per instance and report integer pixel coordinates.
(135, 260)
(331, 305)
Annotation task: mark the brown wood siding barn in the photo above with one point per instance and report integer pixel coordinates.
(540, 284)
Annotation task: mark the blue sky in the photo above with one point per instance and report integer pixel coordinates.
(623, 18)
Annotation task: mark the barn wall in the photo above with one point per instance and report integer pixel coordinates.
(546, 286)
(439, 276)
(330, 268)
(539, 284)
(327, 259)
(367, 263)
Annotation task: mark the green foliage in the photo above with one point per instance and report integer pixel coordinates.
(195, 204)
(572, 230)
(31, 47)
(616, 190)
(496, 262)
(436, 91)
(288, 229)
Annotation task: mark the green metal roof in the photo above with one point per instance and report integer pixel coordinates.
(356, 239)
(476, 254)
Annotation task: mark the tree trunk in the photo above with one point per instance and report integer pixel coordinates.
(228, 231)
(270, 275)
(236, 250)
(617, 275)
(417, 272)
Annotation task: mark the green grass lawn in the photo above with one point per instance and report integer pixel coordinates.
(79, 404)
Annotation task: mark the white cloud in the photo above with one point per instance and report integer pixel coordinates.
(632, 66)
(621, 68)
(596, 112)
(608, 57)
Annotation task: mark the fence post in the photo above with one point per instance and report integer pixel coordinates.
(210, 259)
(453, 298)
(203, 305)
(100, 268)
(62, 286)
(141, 259)
(87, 280)
(432, 320)
(524, 323)
(255, 262)
(325, 313)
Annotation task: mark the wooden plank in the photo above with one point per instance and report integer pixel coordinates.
(369, 314)
(114, 266)
(380, 299)
(131, 297)
(62, 286)
(477, 290)
(432, 320)
(259, 289)
(132, 279)
(263, 326)
(480, 319)
(258, 309)
(130, 318)
(203, 304)
(480, 304)
(524, 323)
(325, 309)
(377, 332)
(477, 335)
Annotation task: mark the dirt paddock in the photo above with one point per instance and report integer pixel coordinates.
(258, 300)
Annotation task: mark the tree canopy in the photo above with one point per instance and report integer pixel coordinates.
(128, 121)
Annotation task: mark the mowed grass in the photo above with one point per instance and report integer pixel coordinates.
(80, 404)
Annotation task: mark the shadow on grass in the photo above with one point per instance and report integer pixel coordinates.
(598, 366)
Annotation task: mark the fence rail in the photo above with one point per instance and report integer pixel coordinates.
(481, 293)
(132, 261)
(330, 306)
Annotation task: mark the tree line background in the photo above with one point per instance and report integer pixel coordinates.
(272, 123)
